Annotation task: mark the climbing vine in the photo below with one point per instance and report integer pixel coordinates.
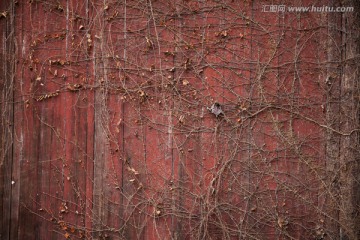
(183, 120)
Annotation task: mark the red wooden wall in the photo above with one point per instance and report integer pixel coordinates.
(106, 132)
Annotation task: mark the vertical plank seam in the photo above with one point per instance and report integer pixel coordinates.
(11, 39)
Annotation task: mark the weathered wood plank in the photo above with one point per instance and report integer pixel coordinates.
(7, 56)
(349, 186)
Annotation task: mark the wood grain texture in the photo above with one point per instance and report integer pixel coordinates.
(7, 180)
(106, 132)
